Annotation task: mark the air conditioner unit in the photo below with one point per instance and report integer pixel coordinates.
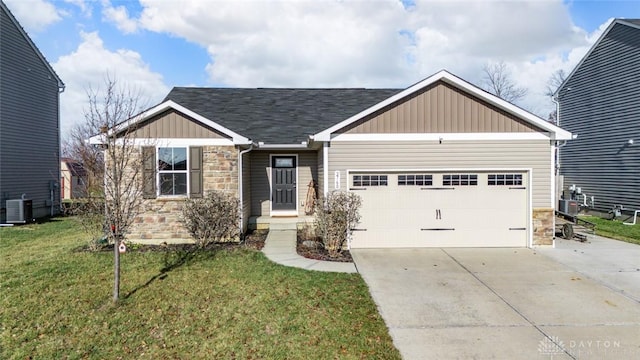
(19, 211)
(568, 207)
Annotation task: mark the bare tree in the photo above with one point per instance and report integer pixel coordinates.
(557, 78)
(554, 82)
(497, 80)
(108, 116)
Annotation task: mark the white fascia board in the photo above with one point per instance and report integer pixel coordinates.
(170, 104)
(444, 137)
(282, 146)
(558, 133)
(182, 142)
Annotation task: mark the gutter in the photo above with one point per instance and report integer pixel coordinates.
(302, 145)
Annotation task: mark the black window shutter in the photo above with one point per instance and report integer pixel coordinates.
(148, 172)
(195, 172)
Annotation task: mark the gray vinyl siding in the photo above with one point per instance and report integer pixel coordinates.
(415, 155)
(440, 108)
(600, 103)
(261, 179)
(29, 123)
(172, 124)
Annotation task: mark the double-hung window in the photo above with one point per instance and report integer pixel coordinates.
(172, 171)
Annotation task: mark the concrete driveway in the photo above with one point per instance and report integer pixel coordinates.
(500, 304)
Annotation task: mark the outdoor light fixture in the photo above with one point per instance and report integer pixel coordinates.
(630, 142)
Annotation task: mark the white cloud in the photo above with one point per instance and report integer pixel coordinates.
(34, 15)
(120, 17)
(369, 44)
(82, 5)
(356, 43)
(87, 67)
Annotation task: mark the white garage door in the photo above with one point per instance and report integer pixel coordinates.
(441, 209)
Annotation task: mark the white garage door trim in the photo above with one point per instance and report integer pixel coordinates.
(527, 171)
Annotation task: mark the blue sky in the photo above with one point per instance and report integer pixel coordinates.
(154, 45)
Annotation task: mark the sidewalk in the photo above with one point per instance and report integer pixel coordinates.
(280, 247)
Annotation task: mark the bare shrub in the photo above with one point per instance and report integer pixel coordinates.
(213, 218)
(335, 217)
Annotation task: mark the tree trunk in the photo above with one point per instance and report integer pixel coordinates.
(116, 269)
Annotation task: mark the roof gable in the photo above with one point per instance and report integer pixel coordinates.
(172, 124)
(439, 108)
(445, 77)
(631, 23)
(30, 42)
(168, 106)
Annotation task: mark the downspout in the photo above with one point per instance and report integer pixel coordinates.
(240, 186)
(325, 165)
(61, 88)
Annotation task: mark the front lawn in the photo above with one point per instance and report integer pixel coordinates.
(231, 303)
(615, 229)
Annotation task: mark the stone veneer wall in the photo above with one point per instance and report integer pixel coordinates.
(160, 219)
(543, 229)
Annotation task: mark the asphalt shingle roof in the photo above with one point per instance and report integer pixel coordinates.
(277, 116)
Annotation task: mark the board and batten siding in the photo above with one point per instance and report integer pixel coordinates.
(29, 126)
(174, 125)
(600, 103)
(440, 108)
(459, 155)
(261, 179)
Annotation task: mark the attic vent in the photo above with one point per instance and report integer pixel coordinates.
(19, 211)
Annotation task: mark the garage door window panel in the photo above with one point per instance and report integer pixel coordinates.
(415, 180)
(370, 180)
(459, 180)
(504, 180)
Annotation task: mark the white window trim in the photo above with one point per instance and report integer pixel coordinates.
(158, 173)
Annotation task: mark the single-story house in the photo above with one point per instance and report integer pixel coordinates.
(72, 179)
(441, 163)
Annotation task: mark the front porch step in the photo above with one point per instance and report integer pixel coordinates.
(283, 226)
(279, 223)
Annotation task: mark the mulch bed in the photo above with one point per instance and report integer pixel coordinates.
(319, 253)
(253, 240)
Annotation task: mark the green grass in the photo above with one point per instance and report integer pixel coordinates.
(56, 303)
(615, 229)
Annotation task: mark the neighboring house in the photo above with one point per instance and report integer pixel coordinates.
(29, 122)
(72, 179)
(441, 163)
(600, 102)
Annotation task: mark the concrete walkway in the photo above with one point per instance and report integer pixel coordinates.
(280, 247)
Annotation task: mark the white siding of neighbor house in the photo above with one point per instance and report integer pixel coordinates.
(459, 155)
